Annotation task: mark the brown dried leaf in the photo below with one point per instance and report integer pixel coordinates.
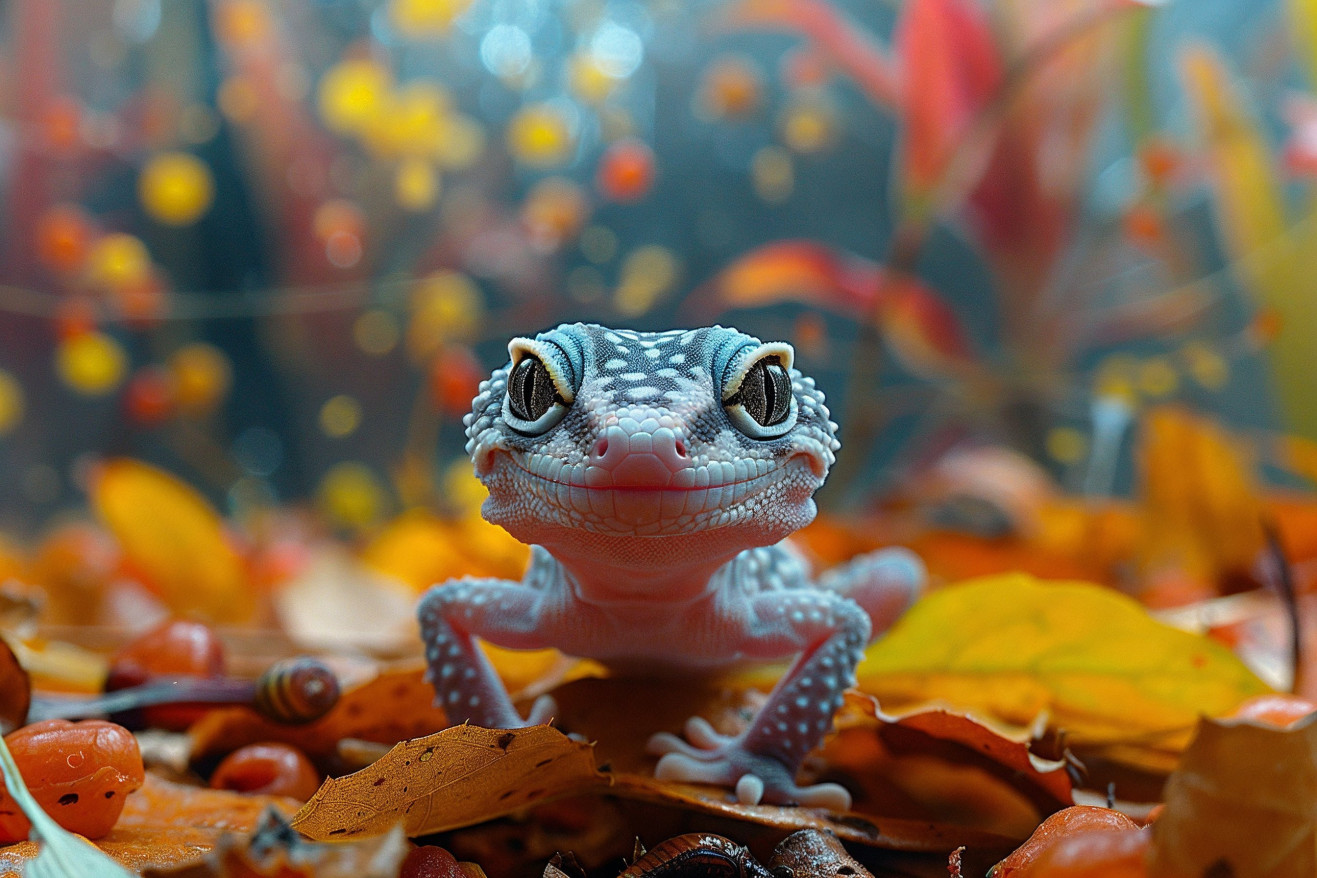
(942, 765)
(453, 778)
(1242, 803)
(167, 824)
(394, 706)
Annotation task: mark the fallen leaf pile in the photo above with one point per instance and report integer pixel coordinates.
(994, 727)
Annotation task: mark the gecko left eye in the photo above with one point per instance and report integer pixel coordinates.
(533, 401)
(761, 407)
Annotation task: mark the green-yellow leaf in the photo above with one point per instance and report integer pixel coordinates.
(1013, 646)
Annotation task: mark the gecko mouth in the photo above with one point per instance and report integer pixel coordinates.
(657, 510)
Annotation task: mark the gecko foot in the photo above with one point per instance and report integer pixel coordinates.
(724, 761)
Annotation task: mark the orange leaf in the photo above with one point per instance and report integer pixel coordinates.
(173, 539)
(394, 705)
(168, 824)
(453, 778)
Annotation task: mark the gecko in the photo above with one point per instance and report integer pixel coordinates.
(657, 477)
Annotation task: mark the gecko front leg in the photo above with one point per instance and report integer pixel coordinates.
(466, 685)
(829, 632)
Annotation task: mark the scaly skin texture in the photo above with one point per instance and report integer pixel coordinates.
(656, 475)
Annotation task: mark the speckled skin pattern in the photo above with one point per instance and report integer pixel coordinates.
(656, 504)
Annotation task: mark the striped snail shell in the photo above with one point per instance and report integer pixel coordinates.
(296, 690)
(697, 855)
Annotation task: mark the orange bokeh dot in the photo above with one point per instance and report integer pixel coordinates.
(150, 397)
(61, 122)
(626, 171)
(338, 215)
(455, 376)
(732, 87)
(63, 234)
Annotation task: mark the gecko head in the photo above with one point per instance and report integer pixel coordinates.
(591, 436)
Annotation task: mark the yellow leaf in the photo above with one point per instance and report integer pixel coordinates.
(1013, 646)
(453, 778)
(172, 539)
(1241, 803)
(1268, 255)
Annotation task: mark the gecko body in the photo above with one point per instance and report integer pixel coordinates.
(656, 476)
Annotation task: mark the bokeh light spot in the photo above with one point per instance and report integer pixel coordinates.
(351, 495)
(540, 136)
(92, 363)
(340, 416)
(11, 403)
(176, 188)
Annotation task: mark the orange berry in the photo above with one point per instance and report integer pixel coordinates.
(175, 648)
(79, 773)
(430, 861)
(269, 770)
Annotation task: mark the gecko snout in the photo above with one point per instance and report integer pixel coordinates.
(640, 454)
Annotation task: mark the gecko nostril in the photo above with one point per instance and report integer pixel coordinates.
(680, 447)
(601, 446)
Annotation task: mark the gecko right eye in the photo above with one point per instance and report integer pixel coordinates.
(533, 401)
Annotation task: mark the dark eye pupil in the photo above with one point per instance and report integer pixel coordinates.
(765, 393)
(530, 389)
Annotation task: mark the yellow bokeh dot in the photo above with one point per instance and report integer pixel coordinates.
(1117, 376)
(773, 175)
(202, 376)
(376, 332)
(352, 95)
(1206, 365)
(540, 136)
(1158, 377)
(462, 144)
(340, 416)
(176, 188)
(647, 273)
(351, 494)
(419, 19)
(118, 260)
(1066, 445)
(445, 305)
(416, 185)
(11, 403)
(588, 80)
(91, 363)
(808, 126)
(410, 123)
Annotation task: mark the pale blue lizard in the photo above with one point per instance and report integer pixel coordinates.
(656, 475)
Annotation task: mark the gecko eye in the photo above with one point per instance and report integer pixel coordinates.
(761, 406)
(533, 398)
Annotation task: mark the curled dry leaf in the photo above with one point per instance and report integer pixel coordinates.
(1012, 647)
(1064, 824)
(1242, 803)
(453, 778)
(944, 766)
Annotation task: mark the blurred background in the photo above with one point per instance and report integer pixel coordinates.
(1029, 248)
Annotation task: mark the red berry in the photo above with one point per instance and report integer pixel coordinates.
(176, 648)
(267, 769)
(430, 862)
